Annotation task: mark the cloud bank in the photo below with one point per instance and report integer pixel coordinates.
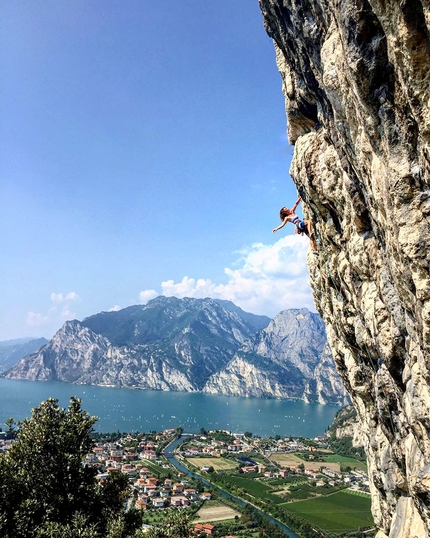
(58, 313)
(265, 279)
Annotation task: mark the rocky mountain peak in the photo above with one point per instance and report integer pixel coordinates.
(295, 333)
(166, 316)
(290, 358)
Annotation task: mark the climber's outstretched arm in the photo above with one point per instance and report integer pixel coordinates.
(284, 222)
(299, 199)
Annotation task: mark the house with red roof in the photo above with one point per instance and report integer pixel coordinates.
(204, 528)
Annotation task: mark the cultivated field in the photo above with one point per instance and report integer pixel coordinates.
(215, 513)
(339, 512)
(290, 460)
(343, 460)
(289, 457)
(284, 490)
(331, 461)
(219, 464)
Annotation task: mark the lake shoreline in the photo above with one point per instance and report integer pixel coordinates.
(140, 410)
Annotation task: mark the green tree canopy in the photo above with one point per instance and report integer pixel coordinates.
(45, 487)
(176, 524)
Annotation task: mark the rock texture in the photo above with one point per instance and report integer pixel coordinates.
(168, 344)
(356, 78)
(345, 426)
(288, 359)
(193, 345)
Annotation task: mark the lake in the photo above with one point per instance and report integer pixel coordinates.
(130, 410)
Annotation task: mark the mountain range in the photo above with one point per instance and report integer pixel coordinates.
(13, 350)
(197, 345)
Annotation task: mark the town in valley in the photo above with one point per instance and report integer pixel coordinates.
(290, 479)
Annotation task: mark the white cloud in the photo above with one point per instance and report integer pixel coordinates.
(64, 301)
(188, 287)
(115, 308)
(37, 320)
(147, 295)
(265, 279)
(67, 314)
(57, 314)
(68, 298)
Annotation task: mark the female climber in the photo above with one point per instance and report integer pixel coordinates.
(288, 215)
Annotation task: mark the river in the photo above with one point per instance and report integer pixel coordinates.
(129, 410)
(168, 453)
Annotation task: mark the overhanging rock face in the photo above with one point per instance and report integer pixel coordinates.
(356, 78)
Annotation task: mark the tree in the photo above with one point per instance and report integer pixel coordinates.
(45, 487)
(176, 524)
(78, 527)
(10, 432)
(113, 493)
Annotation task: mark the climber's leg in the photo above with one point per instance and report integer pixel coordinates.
(311, 235)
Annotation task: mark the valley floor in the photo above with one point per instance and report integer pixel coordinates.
(309, 489)
(299, 482)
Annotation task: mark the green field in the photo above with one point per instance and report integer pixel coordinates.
(304, 491)
(257, 489)
(345, 461)
(339, 512)
(289, 480)
(155, 468)
(299, 491)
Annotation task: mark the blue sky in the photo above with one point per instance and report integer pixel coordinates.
(143, 151)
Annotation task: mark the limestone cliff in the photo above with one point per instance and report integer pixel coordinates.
(290, 358)
(356, 78)
(345, 426)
